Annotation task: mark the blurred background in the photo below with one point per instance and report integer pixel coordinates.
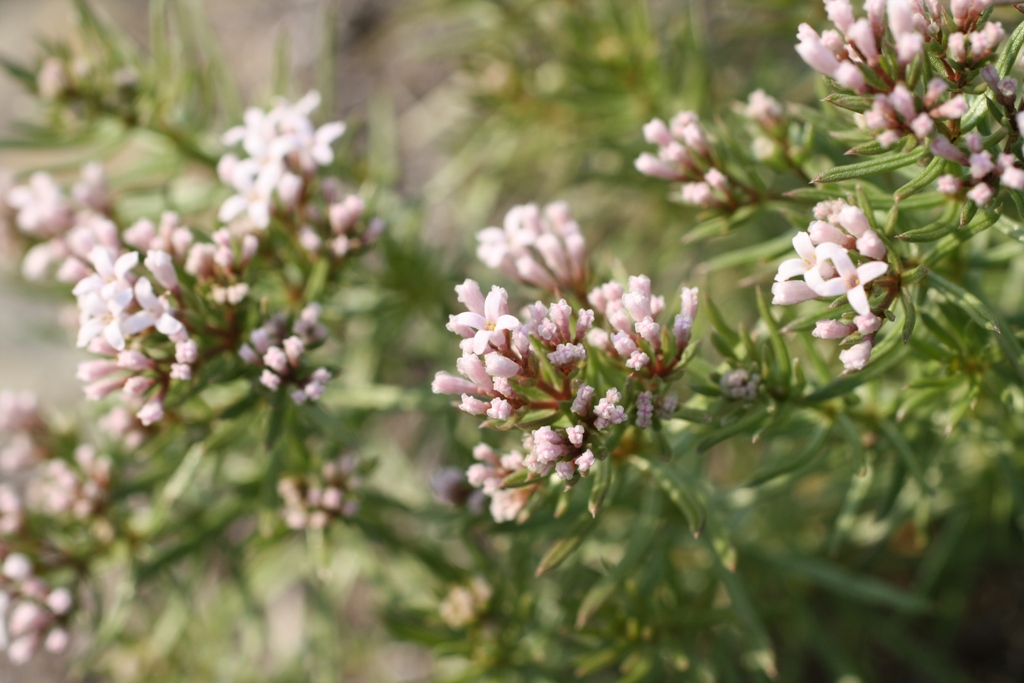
(463, 108)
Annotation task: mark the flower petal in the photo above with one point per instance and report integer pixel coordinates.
(871, 270)
(859, 300)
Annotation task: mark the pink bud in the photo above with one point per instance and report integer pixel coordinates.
(152, 411)
(832, 329)
(980, 194)
(500, 366)
(657, 133)
(161, 266)
(867, 324)
(791, 292)
(857, 356)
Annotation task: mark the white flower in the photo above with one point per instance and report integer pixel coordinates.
(850, 279)
(807, 261)
(255, 187)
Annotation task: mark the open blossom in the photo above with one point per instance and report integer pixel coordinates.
(850, 279)
(282, 147)
(489, 317)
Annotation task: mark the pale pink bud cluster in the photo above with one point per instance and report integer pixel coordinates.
(279, 354)
(221, 263)
(684, 156)
(78, 488)
(463, 605)
(123, 427)
(856, 46)
(22, 431)
(901, 112)
(974, 46)
(312, 502)
(824, 259)
(488, 475)
(764, 109)
(60, 230)
(560, 332)
(33, 615)
(12, 512)
(117, 309)
(170, 236)
(541, 248)
(343, 232)
(645, 346)
(987, 172)
(740, 384)
(282, 151)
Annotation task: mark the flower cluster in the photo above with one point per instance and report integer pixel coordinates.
(854, 52)
(901, 112)
(840, 254)
(61, 229)
(23, 429)
(283, 151)
(344, 232)
(685, 155)
(78, 489)
(544, 249)
(644, 345)
(312, 502)
(512, 366)
(32, 613)
(280, 356)
(464, 605)
(985, 172)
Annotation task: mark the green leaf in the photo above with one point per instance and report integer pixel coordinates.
(882, 164)
(855, 103)
(602, 483)
(860, 484)
(781, 368)
(906, 452)
(969, 303)
(679, 491)
(748, 422)
(565, 546)
(1010, 50)
(880, 364)
(930, 173)
(910, 311)
(874, 147)
(718, 322)
(767, 472)
(846, 584)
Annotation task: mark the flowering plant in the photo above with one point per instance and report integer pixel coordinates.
(633, 477)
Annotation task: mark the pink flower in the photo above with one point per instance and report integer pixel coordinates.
(152, 411)
(808, 259)
(850, 279)
(493, 318)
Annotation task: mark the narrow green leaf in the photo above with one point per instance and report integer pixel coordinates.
(910, 311)
(906, 452)
(767, 472)
(746, 423)
(882, 164)
(855, 103)
(846, 584)
(860, 484)
(1010, 50)
(560, 551)
(930, 173)
(679, 491)
(880, 364)
(602, 483)
(969, 303)
(781, 368)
